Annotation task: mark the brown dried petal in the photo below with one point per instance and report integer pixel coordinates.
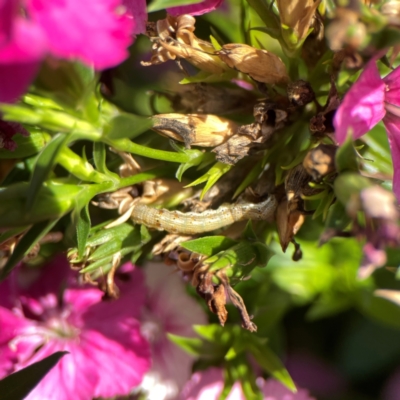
(297, 15)
(261, 65)
(288, 223)
(203, 130)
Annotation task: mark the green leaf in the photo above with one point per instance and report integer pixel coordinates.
(337, 217)
(211, 176)
(192, 346)
(26, 243)
(127, 126)
(250, 177)
(348, 185)
(378, 308)
(19, 384)
(83, 229)
(43, 166)
(107, 249)
(209, 245)
(157, 5)
(265, 11)
(99, 157)
(270, 362)
(346, 156)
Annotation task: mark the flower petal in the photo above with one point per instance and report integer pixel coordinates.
(363, 105)
(73, 377)
(165, 314)
(132, 295)
(392, 124)
(195, 9)
(126, 353)
(20, 59)
(8, 11)
(137, 9)
(91, 31)
(392, 82)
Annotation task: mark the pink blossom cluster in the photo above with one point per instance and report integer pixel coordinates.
(114, 346)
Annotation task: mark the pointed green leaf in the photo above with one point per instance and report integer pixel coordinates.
(83, 229)
(209, 245)
(19, 384)
(271, 363)
(43, 166)
(193, 346)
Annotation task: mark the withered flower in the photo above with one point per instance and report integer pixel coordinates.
(173, 38)
(296, 18)
(203, 130)
(346, 30)
(261, 65)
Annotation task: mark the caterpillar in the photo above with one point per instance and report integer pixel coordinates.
(193, 223)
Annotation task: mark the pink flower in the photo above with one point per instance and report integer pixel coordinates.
(169, 309)
(370, 100)
(208, 385)
(95, 32)
(195, 9)
(43, 311)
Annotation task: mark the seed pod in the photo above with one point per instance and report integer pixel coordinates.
(300, 93)
(203, 130)
(261, 65)
(320, 161)
(288, 223)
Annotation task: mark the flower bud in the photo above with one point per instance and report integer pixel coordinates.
(203, 130)
(261, 65)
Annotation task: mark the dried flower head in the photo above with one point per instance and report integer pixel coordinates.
(173, 38)
(261, 65)
(203, 130)
(296, 19)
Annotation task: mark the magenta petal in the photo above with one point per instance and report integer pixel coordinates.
(392, 124)
(14, 81)
(8, 10)
(91, 31)
(137, 9)
(195, 9)
(121, 362)
(20, 59)
(363, 105)
(73, 377)
(392, 82)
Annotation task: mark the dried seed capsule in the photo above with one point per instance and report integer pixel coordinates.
(300, 93)
(203, 130)
(320, 161)
(261, 65)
